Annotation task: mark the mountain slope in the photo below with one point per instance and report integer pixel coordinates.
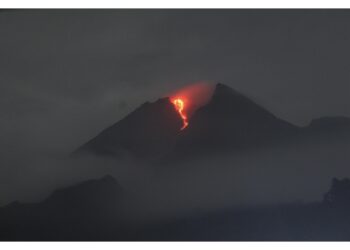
(231, 120)
(147, 132)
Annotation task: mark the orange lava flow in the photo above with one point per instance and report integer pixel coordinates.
(180, 105)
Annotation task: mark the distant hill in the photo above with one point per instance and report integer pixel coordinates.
(74, 213)
(94, 210)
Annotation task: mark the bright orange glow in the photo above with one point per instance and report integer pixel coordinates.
(180, 106)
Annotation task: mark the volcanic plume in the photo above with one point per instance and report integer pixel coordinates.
(189, 98)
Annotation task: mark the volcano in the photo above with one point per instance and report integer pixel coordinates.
(229, 121)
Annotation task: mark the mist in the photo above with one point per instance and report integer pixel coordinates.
(211, 183)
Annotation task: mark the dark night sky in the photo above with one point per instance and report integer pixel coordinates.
(66, 75)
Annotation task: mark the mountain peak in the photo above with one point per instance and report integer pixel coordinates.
(222, 88)
(224, 91)
(231, 120)
(225, 95)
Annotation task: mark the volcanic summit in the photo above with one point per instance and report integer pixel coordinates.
(228, 121)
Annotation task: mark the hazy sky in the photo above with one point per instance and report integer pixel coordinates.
(66, 75)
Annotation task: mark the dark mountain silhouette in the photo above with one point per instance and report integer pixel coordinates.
(147, 132)
(339, 193)
(330, 124)
(76, 212)
(94, 210)
(331, 127)
(229, 121)
(85, 195)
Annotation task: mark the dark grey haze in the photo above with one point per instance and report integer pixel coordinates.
(67, 74)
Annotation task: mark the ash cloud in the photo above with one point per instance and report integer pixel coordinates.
(195, 95)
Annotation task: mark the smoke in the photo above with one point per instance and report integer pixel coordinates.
(269, 176)
(195, 95)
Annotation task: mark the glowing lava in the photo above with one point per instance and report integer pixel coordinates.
(180, 106)
(189, 98)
